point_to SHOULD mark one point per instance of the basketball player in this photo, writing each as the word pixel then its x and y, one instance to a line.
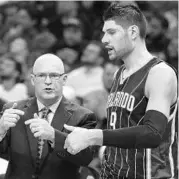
pixel 141 105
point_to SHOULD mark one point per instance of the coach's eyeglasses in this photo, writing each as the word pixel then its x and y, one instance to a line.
pixel 52 76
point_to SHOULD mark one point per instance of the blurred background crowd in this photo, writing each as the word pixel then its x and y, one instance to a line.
pixel 72 31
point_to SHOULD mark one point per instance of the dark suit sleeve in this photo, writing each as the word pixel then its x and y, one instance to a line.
pixel 5 141
pixel 4 145
pixel 84 157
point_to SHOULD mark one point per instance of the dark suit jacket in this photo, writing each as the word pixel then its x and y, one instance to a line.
pixel 21 146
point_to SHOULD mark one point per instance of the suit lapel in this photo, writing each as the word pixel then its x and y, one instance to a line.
pixel 31 108
pixel 61 117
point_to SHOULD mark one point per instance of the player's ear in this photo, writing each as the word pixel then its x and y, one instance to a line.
pixel 133 31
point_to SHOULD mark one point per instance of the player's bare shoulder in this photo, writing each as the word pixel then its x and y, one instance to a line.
pixel 163 69
pixel 162 77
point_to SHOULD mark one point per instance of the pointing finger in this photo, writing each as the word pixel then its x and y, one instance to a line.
pixel 28 122
pixel 70 128
pixel 14 105
pixel 36 116
pixel 31 121
pixel 14 111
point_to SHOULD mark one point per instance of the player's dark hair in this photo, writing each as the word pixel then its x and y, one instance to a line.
pixel 126 15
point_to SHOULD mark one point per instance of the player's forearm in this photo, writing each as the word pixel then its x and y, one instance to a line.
pixel 133 137
pixel 148 135
pixel 82 158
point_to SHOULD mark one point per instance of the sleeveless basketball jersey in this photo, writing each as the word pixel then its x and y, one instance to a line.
pixel 126 107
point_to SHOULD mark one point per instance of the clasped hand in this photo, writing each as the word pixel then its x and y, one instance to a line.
pixel 77 140
pixel 40 128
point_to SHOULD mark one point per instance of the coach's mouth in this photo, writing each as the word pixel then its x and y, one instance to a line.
pixel 48 89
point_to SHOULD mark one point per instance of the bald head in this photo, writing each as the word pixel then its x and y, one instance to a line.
pixel 48 62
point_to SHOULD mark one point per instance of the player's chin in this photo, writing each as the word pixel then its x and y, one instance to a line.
pixel 112 57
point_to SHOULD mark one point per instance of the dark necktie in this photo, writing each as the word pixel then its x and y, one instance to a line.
pixel 45 111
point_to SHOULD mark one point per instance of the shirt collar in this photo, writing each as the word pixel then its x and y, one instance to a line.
pixel 53 107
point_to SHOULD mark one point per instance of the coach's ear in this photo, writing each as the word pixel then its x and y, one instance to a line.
pixel 133 32
pixel 32 79
pixel 64 79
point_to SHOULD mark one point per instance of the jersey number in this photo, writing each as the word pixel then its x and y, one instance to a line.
pixel 113 119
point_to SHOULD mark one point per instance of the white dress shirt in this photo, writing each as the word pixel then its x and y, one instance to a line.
pixel 52 108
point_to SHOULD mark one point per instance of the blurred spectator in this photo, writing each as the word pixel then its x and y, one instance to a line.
pixel 20 25
pixel 94 11
pixel 73 43
pixel 157 40
pixel 18 48
pixel 10 9
pixel 172 53
pixel 96 100
pixel 3 48
pixel 43 41
pixel 88 77
pixel 172 17
pixel 69 9
pixel 1 19
pixel 63 10
pixel 70 58
pixel 11 89
pixel 73 31
pixel 70 94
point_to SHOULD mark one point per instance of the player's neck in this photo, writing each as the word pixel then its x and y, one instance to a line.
pixel 137 58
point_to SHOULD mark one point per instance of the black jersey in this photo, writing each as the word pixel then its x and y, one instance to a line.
pixel 126 107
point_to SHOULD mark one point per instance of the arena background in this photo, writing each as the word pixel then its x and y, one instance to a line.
pixel 67 28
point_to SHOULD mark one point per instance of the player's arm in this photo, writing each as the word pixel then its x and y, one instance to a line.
pixel 84 157
pixel 161 90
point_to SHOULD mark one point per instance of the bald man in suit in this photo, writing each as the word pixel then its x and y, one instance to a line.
pixel 23 130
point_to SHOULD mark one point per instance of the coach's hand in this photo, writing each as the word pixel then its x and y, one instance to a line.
pixel 41 128
pixel 77 140
pixel 10 118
